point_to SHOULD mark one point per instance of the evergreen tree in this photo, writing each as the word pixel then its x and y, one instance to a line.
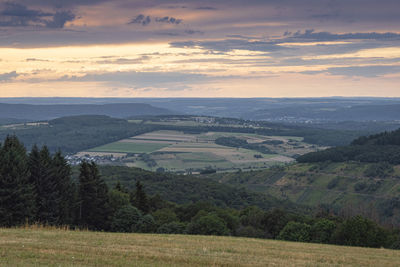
pixel 94 211
pixel 17 198
pixel 47 196
pixel 61 173
pixel 139 198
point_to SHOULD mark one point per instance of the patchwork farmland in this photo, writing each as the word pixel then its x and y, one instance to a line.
pixel 177 151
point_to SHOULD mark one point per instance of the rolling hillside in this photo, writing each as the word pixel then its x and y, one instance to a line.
pixel 344 188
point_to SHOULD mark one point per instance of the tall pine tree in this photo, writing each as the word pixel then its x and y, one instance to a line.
pixel 47 196
pixel 139 198
pixel 65 188
pixel 94 210
pixel 17 195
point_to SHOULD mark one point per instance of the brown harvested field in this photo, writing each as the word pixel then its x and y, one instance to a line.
pixel 46 247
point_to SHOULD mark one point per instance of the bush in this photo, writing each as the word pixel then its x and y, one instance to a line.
pixel 322 230
pixel 172 228
pixel 359 231
pixel 295 231
pixel 209 224
pixel 382 169
pixel 126 219
pixel 118 199
pixel 164 216
pixel 333 183
pixel 360 186
pixel 146 224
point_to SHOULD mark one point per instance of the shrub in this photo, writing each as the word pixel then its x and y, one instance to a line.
pixel 146 224
pixel 209 224
pixel 359 231
pixel 322 230
pixel 172 228
pixel 126 219
pixel 295 231
pixel 164 216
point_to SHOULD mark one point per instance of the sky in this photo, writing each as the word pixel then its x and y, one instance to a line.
pixel 188 48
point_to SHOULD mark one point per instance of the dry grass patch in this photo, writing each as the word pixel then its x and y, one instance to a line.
pixel 52 247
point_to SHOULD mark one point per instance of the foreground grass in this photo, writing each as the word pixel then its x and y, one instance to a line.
pixel 34 247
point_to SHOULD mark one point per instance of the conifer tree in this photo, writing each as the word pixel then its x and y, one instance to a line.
pixel 61 173
pixel 17 198
pixel 94 211
pixel 140 199
pixel 47 197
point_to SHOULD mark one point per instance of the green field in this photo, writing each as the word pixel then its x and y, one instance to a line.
pixel 177 151
pixel 124 147
pixel 39 247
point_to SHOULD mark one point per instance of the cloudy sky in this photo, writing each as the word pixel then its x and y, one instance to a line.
pixel 188 48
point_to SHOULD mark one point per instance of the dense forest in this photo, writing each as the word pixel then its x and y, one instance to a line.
pixel 383 147
pixel 38 187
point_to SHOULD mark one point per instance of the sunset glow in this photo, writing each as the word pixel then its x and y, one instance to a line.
pixel 187 49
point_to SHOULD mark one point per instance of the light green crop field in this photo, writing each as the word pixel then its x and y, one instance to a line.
pixel 179 152
pixel 47 247
pixel 126 147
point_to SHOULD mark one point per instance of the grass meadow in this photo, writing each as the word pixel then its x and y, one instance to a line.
pixel 34 246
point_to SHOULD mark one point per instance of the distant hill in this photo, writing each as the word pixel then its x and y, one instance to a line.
pixel 76 133
pixel 383 147
pixel 48 112
pixel 290 110
pixel 329 112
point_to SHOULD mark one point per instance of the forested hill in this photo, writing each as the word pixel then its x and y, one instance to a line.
pixel 73 134
pixel 385 138
pixel 47 112
pixel 383 147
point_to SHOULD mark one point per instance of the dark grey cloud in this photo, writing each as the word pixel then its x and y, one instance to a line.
pixel 206 8
pixel 8 76
pixel 141 19
pixel 18 15
pixel 15 14
pixel 327 36
pixel 170 20
pixel 146 20
pixel 59 19
pixel 60 3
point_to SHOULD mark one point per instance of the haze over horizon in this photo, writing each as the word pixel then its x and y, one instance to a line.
pixel 186 48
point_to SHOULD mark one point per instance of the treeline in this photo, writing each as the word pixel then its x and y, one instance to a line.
pixel 74 134
pixel 38 188
pixel 241 143
pixel 384 147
